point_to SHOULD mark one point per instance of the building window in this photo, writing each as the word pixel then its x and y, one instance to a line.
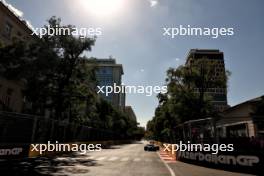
pixel 237 130
pixel 8 30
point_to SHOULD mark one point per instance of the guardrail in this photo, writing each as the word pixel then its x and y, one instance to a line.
pixel 239 160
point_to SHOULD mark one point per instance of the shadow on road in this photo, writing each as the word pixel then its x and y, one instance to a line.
pixel 63 165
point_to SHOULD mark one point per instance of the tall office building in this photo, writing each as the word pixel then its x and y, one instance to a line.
pixel 130 112
pixel 108 73
pixel 216 58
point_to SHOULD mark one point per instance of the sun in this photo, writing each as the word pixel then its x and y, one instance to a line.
pixel 103 8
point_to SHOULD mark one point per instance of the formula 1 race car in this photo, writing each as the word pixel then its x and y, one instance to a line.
pixel 151 147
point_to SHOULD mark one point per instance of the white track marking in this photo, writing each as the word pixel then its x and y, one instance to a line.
pixel 168 167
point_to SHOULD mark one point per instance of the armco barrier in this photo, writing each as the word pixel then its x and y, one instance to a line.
pixel 14 151
pixel 245 161
pixel 105 144
pixel 20 151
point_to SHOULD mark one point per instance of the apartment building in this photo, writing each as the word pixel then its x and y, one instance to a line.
pixel 12 29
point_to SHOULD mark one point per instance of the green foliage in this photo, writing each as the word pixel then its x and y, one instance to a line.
pixel 60 80
pixel 185 100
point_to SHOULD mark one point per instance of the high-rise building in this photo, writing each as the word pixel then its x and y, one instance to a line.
pixel 130 112
pixel 216 59
pixel 108 73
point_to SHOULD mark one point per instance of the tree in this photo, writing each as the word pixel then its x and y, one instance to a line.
pixel 58 78
pixel 53 65
pixel 186 98
pixel 68 50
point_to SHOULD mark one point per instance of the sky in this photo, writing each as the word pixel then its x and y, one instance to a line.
pixel 132 32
